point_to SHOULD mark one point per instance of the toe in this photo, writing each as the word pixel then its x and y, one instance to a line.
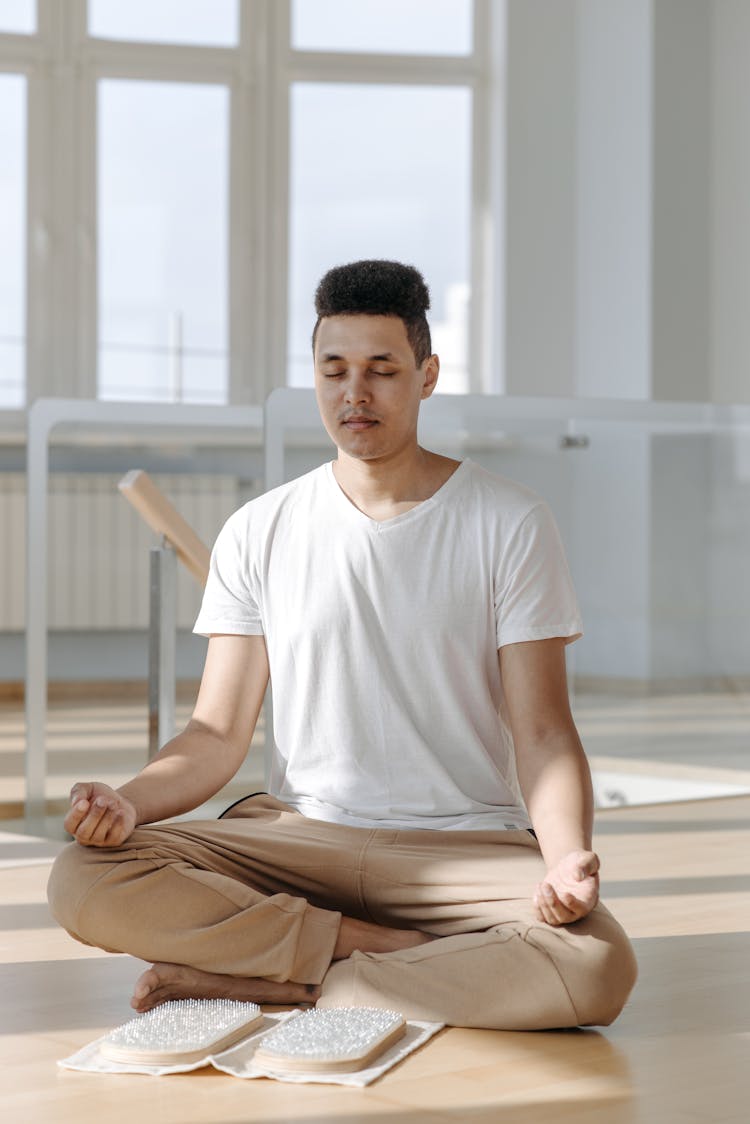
pixel 146 984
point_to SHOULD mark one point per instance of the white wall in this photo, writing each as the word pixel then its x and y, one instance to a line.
pixel 627 270
pixel 540 198
pixel 730 202
pixel 613 157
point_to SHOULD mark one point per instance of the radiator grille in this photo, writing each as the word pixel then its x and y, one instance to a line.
pixel 99 547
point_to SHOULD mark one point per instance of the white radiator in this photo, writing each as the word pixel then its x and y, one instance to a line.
pixel 98 568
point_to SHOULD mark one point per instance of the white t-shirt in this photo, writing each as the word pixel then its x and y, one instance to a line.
pixel 382 640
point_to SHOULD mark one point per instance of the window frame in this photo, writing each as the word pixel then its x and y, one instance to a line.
pixel 62 65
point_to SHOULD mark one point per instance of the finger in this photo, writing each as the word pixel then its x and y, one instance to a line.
pixel 81 790
pixel 537 904
pixel 589 867
pixel 550 915
pixel 555 910
pixel 91 821
pixel 582 900
pixel 109 810
pixel 571 902
pixel 547 900
pixel 550 906
pixel 104 828
pixel 75 816
pixel 117 833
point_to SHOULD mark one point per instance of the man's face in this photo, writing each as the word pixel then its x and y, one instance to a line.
pixel 368 384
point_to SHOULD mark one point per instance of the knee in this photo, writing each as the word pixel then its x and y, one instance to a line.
pixel 610 971
pixel 73 873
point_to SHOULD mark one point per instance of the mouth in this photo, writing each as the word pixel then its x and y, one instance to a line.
pixel 358 422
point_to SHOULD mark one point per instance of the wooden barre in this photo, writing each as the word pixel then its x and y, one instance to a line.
pixel 139 490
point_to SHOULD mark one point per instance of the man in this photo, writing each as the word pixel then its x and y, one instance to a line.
pixel 413 611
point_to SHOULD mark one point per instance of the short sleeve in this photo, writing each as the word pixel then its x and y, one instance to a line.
pixel 534 594
pixel 231 600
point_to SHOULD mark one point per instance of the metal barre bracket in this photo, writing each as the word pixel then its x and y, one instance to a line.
pixel 162 626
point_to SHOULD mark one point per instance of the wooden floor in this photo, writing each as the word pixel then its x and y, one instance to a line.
pixel 676 875
pixel 659 736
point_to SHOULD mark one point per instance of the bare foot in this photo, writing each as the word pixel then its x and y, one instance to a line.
pixel 177 981
pixel 365 936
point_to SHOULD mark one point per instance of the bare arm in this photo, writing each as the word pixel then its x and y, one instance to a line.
pixel 554 776
pixel 195 764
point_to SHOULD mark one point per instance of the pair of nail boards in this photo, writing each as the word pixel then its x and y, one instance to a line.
pixel 181 1031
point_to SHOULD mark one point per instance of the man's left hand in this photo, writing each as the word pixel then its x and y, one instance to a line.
pixel 570 890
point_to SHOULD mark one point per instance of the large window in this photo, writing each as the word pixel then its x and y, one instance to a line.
pixel 176 176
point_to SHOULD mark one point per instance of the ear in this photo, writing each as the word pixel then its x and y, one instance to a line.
pixel 430 372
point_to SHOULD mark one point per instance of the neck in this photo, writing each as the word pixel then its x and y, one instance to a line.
pixel 385 487
pixel 393 479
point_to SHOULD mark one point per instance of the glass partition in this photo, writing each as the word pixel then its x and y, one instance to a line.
pixel 657 527
pixel 653 504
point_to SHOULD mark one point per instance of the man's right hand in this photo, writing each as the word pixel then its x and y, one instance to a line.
pixel 99 816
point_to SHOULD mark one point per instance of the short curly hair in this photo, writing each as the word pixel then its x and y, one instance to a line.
pixel 378 288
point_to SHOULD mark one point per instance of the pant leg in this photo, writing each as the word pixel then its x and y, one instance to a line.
pixel 235 896
pixel 495 964
pixel 262 895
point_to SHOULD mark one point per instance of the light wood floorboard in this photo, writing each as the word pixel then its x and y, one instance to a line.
pixel 677 876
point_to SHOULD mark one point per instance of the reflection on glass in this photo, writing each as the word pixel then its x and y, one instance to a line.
pixel 163 193
pixel 201 22
pixel 18 16
pixel 417 27
pixel 381 172
pixel 12 240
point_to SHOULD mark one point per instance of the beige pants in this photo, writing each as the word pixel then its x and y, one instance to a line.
pixel 261 892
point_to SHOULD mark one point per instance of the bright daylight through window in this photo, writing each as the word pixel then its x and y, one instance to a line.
pixel 213 24
pixel 163 161
pixel 417 27
pixel 376 172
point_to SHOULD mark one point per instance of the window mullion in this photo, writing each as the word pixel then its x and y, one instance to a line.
pixel 421 70
pixel 86 248
pixel 39 240
pixel 17 52
pixel 57 363
pixel 484 148
pixel 278 193
pixel 246 266
pixel 269 281
pixel 152 60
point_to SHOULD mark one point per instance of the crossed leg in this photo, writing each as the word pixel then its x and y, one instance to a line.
pixel 163 981
pixel 273 907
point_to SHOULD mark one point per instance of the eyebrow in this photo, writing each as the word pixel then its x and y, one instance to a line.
pixel 386 357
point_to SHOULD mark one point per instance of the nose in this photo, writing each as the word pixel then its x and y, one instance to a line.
pixel 356 388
